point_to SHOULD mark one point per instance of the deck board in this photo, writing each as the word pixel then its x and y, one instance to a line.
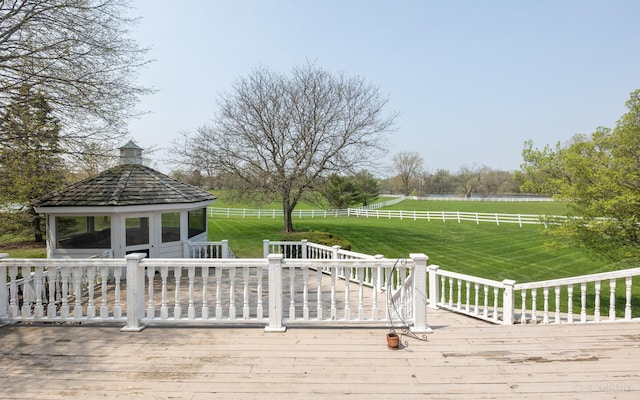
pixel 464 358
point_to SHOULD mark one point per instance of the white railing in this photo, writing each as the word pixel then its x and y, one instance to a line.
pixel 275 291
pixel 544 302
pixel 219 249
pixel 568 300
pixel 442 216
pixel 470 295
pixel 307 250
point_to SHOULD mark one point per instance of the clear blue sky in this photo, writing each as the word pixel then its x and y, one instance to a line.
pixel 472 80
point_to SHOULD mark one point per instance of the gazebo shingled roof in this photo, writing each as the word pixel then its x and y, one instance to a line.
pixel 125 185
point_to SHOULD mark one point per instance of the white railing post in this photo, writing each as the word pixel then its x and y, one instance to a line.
pixel 135 293
pixel 265 248
pixel 303 245
pixel 420 293
pixel 433 286
pixel 508 302
pixel 336 249
pixel 225 248
pixel 275 294
pixel 380 274
pixel 4 294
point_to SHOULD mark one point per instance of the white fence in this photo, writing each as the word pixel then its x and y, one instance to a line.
pixel 442 216
pixel 274 292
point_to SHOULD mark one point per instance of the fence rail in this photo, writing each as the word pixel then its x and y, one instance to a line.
pixel 442 216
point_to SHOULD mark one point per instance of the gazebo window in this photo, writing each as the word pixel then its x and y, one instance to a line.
pixel 197 222
pixel 170 227
pixel 137 231
pixel 93 232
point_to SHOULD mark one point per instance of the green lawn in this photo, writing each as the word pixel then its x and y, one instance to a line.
pixel 485 250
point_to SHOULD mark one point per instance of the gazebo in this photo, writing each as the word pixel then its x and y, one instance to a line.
pixel 128 208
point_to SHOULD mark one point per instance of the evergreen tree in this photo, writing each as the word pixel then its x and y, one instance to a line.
pixel 30 161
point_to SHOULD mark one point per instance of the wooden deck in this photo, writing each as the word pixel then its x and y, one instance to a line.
pixel 463 359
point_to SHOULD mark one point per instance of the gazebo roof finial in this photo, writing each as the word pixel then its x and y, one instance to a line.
pixel 131 153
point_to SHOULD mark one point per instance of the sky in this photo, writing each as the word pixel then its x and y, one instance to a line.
pixel 471 80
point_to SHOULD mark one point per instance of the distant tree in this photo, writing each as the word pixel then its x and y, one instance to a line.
pixel 287 134
pixel 30 162
pixel 599 178
pixel 368 187
pixel 470 178
pixel 442 182
pixel 340 192
pixel 77 54
pixel 407 165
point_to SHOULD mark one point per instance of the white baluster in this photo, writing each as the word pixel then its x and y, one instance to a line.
pixel 52 284
pixel 204 273
pixel 164 308
pixel 218 293
pixel 360 272
pixel 570 304
pixel 596 311
pixel 260 306
pixel 534 306
pixel 442 291
pixel 334 275
pixel 177 308
pixel 245 299
pixel 191 309
pixel 91 280
pixel 375 285
pixel 26 298
pixel 305 293
pixel 523 316
pixel 117 307
pixel 64 308
pixel 459 295
pixel 38 311
pixel 612 300
pixel 13 292
pixel 468 294
pixel 485 311
pixel 292 293
pixel 150 306
pixel 627 306
pixel 557 293
pixel 77 282
pixel 104 286
pixel 476 288
pixel 583 302
pixel 450 292
pixel 347 309
pixel 495 303
pixel 319 294
pixel 545 295
pixel 232 292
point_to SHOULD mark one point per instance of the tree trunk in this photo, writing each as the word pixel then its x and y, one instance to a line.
pixel 288 222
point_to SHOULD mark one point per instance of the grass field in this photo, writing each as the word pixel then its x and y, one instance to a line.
pixel 486 250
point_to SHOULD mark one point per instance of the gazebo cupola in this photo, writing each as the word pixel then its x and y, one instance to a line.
pixel 128 208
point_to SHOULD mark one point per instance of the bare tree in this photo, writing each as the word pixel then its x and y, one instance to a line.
pixel 471 178
pixel 77 54
pixel 286 134
pixel 408 165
